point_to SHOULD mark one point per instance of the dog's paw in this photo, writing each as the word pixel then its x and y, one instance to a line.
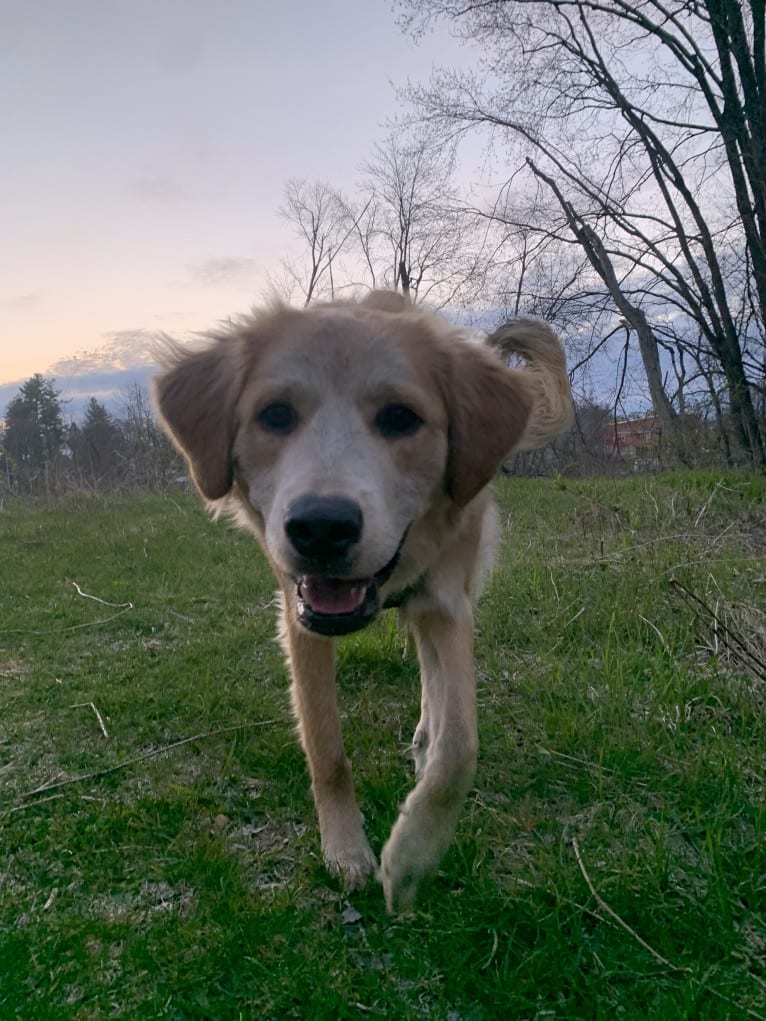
pixel 411 853
pixel 400 887
pixel 352 863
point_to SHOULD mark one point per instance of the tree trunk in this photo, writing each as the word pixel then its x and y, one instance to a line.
pixel 634 317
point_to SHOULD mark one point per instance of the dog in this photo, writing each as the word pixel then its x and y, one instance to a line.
pixel 356 441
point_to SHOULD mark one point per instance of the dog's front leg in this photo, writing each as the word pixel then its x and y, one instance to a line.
pixel 312 663
pixel 446 749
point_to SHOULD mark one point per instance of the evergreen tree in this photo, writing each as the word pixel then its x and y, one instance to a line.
pixel 96 444
pixel 34 428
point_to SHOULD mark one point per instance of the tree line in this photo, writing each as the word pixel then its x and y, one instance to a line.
pixel 41 453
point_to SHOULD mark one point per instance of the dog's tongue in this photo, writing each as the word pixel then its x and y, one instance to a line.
pixel 332 595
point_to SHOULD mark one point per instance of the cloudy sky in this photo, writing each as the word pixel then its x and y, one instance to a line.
pixel 146 144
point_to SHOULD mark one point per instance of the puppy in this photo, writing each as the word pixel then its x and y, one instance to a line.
pixel 357 441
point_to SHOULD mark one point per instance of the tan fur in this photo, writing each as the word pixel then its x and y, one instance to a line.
pixel 429 524
pixel 536 342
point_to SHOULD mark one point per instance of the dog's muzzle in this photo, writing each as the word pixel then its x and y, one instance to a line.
pixel 339 606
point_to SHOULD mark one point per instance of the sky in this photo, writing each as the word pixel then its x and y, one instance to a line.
pixel 146 146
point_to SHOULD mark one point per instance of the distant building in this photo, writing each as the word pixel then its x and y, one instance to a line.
pixel 634 437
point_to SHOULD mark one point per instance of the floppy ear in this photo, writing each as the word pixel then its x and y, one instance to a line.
pixel 195 398
pixel 488 406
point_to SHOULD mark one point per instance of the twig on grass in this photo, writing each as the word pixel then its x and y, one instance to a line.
pixel 571 620
pixel 579 613
pixel 656 631
pixel 122 607
pixel 615 917
pixel 733 1003
pixel 91 623
pixel 637 546
pixel 153 753
pixel 21 808
pixel 707 503
pixel 98 599
pixel 573 761
pixel 84 705
pixel 738 647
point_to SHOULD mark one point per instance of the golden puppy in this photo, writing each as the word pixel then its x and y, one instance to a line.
pixel 357 441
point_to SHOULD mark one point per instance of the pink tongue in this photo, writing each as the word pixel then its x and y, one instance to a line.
pixel 331 595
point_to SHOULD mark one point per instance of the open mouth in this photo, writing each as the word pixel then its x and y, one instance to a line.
pixel 334 606
pixel 339 606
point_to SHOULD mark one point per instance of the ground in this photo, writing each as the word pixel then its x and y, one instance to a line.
pixel 609 862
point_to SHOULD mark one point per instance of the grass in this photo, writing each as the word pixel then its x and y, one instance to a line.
pixel 610 862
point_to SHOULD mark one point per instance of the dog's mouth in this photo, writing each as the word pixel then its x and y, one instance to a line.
pixel 334 606
pixel 339 606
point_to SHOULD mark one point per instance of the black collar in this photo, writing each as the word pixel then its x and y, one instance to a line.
pixel 398 599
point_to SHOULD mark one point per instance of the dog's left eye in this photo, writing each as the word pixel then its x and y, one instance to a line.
pixel 397 420
pixel 278 417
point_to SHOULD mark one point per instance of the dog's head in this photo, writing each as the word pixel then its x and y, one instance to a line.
pixel 338 427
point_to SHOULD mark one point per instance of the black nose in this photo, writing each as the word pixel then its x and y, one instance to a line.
pixel 323 527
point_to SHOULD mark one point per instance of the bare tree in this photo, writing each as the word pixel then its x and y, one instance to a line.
pixel 324 225
pixel 418 238
pixel 150 461
pixel 650 121
pixel 404 230
pixel 633 315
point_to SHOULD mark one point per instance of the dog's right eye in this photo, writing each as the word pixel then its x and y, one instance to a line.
pixel 278 417
pixel 397 420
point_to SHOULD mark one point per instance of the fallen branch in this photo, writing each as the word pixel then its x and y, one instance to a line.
pixel 738 647
pixel 615 917
pixel 97 599
pixel 84 705
pixel 707 503
pixel 99 773
pixel 21 808
pixel 122 607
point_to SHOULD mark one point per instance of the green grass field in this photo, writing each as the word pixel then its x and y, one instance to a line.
pixel 158 853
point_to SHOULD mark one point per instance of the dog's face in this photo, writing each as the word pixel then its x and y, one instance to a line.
pixel 342 445
pixel 340 427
